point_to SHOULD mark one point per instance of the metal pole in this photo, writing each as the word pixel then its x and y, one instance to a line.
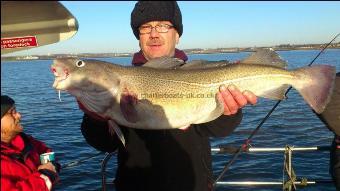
pixel 259 183
pixel 274 149
pixel 243 183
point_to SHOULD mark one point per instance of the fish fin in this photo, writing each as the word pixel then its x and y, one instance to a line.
pixel 315 85
pixel 96 103
pixel 114 128
pixel 278 93
pixel 265 57
pixel 127 104
pixel 164 63
pixel 90 113
pixel 201 64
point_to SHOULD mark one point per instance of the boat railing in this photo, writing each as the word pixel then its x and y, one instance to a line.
pixel 288 184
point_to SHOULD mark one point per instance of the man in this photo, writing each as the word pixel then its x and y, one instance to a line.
pixel 20 163
pixel 171 159
pixel 331 117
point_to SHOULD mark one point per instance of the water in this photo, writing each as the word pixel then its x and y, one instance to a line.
pixel 58 125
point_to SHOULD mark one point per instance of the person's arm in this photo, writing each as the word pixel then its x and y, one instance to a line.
pixel 97 134
pixel 49 170
pixel 35 181
pixel 41 148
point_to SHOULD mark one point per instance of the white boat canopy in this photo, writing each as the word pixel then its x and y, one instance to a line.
pixel 29 24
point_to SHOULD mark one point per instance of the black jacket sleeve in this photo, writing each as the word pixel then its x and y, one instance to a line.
pixel 96 134
pixel 220 127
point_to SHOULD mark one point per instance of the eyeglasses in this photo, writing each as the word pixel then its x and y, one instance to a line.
pixel 161 28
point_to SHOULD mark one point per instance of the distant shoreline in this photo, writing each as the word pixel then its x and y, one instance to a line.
pixel 187 51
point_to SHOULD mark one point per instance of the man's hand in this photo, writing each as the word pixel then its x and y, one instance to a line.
pixel 233 99
pixel 49 170
pixel 48 166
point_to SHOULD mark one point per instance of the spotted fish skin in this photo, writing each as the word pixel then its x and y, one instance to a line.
pixel 164 98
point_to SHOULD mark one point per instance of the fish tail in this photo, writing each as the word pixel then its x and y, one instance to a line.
pixel 315 84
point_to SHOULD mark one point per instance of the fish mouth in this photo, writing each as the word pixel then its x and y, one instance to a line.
pixel 59 80
pixel 60 77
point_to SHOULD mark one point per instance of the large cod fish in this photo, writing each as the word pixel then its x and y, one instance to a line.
pixel 170 96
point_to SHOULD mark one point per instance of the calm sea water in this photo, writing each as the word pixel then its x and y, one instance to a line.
pixel 293 123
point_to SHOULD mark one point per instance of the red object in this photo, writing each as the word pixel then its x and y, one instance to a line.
pixel 19 42
pixel 19 164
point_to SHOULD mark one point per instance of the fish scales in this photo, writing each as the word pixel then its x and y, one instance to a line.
pixel 197 81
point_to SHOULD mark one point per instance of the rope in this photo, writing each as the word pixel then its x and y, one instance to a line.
pixel 104 162
pixel 247 141
pixel 287 186
pixel 77 162
pixel 304 182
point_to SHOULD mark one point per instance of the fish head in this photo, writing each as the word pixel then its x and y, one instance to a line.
pixel 84 75
pixel 94 83
pixel 68 72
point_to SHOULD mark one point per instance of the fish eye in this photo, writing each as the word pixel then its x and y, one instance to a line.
pixel 80 63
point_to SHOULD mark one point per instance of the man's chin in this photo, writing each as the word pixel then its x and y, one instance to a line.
pixel 156 53
pixel 20 128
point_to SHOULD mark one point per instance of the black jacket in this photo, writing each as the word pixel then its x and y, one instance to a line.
pixel 172 160
pixel 162 160
pixel 331 117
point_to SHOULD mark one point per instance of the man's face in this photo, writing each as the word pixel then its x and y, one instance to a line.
pixel 10 124
pixel 155 44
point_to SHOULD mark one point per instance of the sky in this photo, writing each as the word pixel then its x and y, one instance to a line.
pixel 104 26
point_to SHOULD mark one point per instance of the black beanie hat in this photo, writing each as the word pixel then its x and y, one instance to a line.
pixel 6 104
pixel 146 11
